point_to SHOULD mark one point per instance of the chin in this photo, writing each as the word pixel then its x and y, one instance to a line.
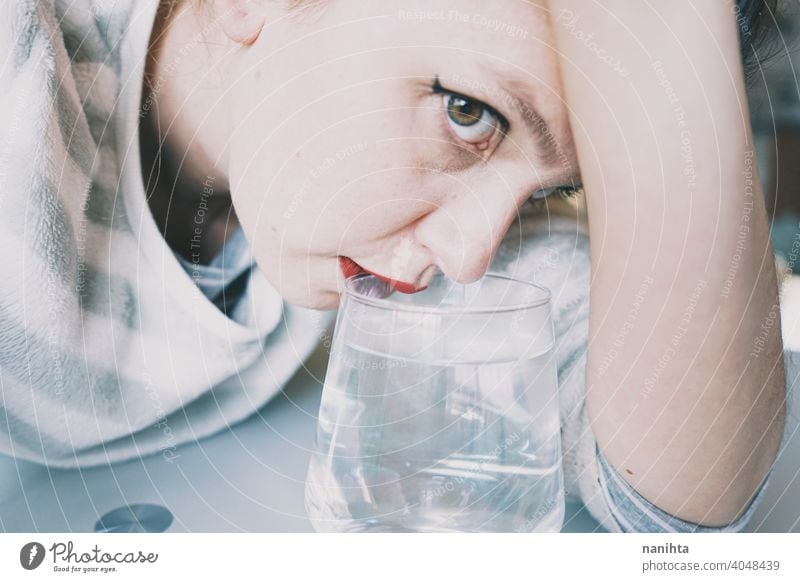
pixel 325 301
pixel 321 301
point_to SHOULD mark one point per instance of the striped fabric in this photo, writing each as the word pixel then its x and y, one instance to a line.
pixel 108 348
pixel 224 279
pixel 634 513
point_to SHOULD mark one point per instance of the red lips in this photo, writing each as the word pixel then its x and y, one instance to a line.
pixel 349 268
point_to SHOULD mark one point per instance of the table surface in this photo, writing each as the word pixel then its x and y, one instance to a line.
pixel 250 478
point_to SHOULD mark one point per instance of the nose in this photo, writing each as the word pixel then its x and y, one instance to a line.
pixel 464 233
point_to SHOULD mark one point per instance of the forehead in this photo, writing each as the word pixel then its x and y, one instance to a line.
pixel 503 47
pixel 514 31
pixel 499 51
pixel 508 38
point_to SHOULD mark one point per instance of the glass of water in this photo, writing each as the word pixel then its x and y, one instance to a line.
pixel 439 411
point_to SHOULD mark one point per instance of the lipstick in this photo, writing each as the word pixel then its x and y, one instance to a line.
pixel 350 268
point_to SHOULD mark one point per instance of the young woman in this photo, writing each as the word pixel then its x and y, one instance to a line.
pixel 155 151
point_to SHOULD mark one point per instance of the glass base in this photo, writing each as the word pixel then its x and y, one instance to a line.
pixel 549 523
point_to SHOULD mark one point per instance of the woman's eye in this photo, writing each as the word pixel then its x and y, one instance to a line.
pixel 470 120
pixel 564 191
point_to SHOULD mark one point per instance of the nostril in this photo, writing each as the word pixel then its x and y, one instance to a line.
pixel 427 275
pixel 461 248
pixel 467 262
pixel 466 280
pixel 468 269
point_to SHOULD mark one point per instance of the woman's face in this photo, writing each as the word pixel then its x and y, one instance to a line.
pixel 399 136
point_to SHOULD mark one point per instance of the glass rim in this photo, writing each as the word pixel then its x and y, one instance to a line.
pixel 450 310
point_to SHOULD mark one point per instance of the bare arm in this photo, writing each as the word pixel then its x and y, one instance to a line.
pixel 685 373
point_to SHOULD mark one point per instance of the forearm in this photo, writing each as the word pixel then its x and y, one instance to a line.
pixel 685 378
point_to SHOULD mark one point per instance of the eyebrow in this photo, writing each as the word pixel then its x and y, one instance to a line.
pixel 548 147
pixel 549 151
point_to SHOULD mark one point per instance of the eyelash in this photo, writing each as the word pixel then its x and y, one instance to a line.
pixel 560 192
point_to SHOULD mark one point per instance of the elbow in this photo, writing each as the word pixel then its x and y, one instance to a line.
pixel 729 490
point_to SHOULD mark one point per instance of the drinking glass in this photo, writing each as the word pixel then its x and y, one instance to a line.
pixel 439 411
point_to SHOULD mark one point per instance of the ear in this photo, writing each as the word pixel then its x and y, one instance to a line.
pixel 241 20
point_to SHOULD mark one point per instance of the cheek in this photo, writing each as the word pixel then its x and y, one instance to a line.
pixel 358 205
pixel 335 165
pixel 339 193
